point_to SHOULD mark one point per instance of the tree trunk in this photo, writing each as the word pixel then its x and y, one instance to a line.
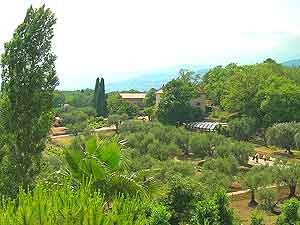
pixel 292 187
pixel 252 202
pixel 288 149
pixel 117 127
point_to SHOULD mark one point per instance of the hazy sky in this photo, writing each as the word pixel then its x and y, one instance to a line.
pixel 115 38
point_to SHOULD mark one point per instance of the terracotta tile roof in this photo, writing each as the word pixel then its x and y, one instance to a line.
pixel 133 95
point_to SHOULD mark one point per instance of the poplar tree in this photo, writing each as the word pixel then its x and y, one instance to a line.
pixel 28 82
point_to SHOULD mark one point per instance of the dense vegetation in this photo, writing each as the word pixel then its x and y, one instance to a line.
pixel 145 171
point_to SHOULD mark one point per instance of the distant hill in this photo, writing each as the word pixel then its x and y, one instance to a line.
pixel 292 63
pixel 143 81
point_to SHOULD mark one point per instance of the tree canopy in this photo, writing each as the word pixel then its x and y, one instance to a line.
pixel 267 91
pixel 28 81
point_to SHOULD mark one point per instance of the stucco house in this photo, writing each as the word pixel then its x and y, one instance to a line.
pixel 135 98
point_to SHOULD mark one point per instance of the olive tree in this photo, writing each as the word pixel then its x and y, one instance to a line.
pixel 288 174
pixel 257 177
pixel 283 135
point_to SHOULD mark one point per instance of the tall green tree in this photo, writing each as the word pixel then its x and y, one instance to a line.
pixel 175 104
pixel 28 81
pixel 150 98
pixel 102 98
pixel 95 91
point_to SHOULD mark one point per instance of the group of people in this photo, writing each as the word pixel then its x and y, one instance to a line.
pixel 256 157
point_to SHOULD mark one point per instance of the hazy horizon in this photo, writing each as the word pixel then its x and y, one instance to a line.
pixel 119 39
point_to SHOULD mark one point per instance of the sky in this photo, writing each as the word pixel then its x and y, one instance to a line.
pixel 117 38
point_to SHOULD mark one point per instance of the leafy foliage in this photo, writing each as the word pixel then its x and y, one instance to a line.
pixel 283 135
pixel 214 211
pixel 290 213
pixel 150 98
pixel 117 105
pixel 265 91
pixel 28 81
pixel 68 206
pixel 175 104
pixel 242 128
pixel 101 162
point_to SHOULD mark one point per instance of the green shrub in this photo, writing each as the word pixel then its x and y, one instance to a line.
pixel 257 218
pixel 160 215
pixel 242 128
pixel 213 211
pixel 290 213
pixel 267 198
pixel 64 205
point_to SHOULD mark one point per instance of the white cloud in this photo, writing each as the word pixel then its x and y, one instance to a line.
pixel 116 36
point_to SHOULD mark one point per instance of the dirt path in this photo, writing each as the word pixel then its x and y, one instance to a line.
pixel 103 129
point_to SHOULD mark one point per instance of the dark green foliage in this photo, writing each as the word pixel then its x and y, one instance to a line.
pixel 150 98
pixel 28 81
pixel 160 215
pixel 100 98
pixel 265 91
pixel 290 213
pixel 182 195
pixel 79 98
pixel 214 211
pixel 242 128
pixel 175 104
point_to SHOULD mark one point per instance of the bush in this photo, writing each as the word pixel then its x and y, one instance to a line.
pixel 241 151
pixel 160 215
pixel 257 218
pixel 182 195
pixel 200 145
pixel 267 198
pixel 228 166
pixel 213 211
pixel 171 168
pixel 290 213
pixel 64 205
pixel 242 128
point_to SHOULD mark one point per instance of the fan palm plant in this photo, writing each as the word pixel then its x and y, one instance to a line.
pixel 101 161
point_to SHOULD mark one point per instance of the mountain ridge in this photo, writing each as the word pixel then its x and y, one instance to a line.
pixel 145 80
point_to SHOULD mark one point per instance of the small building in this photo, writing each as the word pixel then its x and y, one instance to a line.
pixel 135 98
pixel 206 126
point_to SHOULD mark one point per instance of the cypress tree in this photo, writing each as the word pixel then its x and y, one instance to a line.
pixel 95 92
pixel 102 98
pixel 97 97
